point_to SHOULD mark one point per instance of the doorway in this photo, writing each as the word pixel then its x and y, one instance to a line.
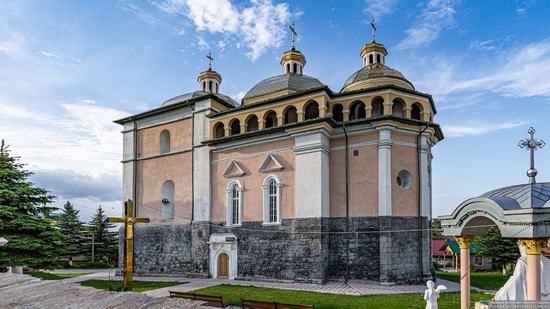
pixel 223 266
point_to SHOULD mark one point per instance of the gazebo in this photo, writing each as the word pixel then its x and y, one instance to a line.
pixel 520 211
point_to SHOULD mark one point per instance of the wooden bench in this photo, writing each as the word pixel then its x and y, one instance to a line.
pixel 211 300
pixel 255 304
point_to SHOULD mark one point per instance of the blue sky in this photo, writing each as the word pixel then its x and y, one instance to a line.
pixel 68 68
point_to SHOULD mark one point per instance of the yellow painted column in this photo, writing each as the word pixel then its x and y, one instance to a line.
pixel 280 120
pixel 261 124
pixel 345 114
pixel 322 111
pixel 425 116
pixel 387 108
pixel 227 130
pixel 368 111
pixel 243 127
pixel 300 115
pixel 407 112
pixel 533 248
pixel 464 242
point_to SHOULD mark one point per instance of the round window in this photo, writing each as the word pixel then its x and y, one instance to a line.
pixel 404 179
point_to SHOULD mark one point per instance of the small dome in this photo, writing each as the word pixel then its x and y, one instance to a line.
pixel 285 82
pixel 378 74
pixel 198 94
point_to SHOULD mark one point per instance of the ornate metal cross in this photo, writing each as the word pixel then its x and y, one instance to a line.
pixel 129 220
pixel 532 144
pixel 373 28
pixel 293 31
pixel 209 56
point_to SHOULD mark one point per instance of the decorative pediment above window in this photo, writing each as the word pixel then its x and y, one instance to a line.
pixel 271 164
pixel 233 170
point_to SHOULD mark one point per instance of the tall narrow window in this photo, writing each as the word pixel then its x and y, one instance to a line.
pixel 272 200
pixel 164 141
pixel 415 111
pixel 234 203
pixel 294 68
pixel 288 68
pixel 378 58
pixel 371 59
pixel 210 86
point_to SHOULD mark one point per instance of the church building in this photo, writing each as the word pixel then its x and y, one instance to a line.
pixel 296 182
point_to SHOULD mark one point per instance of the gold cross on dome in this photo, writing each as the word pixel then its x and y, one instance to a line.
pixel 129 220
pixel 293 33
pixel 209 56
pixel 373 28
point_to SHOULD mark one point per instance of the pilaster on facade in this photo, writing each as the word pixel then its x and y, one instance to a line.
pixel 425 190
pixel 201 167
pixel 129 165
pixel 384 171
pixel 311 152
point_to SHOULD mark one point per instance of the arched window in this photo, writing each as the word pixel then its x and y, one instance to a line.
pixel 300 68
pixel 204 86
pixel 294 68
pixel 415 111
pixel 219 130
pixel 234 203
pixel 377 107
pixel 288 68
pixel 167 193
pixel 164 141
pixel 291 115
pixel 397 108
pixel 215 87
pixel 371 59
pixel 312 110
pixel 252 124
pixel 337 112
pixel 272 200
pixel 271 120
pixel 357 111
pixel 378 58
pixel 236 127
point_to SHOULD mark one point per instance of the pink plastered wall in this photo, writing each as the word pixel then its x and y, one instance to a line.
pixel 404 200
pixel 181 134
pixel 363 177
pixel 250 159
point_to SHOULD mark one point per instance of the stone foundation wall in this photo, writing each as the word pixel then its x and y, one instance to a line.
pixel 307 250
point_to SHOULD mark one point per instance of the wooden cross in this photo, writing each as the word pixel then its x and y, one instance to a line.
pixel 293 31
pixel 373 28
pixel 531 144
pixel 129 220
pixel 209 56
pixel 93 243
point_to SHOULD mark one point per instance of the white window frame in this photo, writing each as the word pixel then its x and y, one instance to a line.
pixel 229 190
pixel 480 259
pixel 265 188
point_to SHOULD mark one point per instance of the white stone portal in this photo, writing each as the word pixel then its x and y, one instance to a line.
pixel 223 243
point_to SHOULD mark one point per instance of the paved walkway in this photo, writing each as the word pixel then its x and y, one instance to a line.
pixel 22 291
pixel 353 287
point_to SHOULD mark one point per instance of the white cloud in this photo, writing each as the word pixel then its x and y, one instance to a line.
pixel 436 16
pixel 50 55
pixel 258 26
pixel 140 13
pixel 379 8
pixel 203 45
pixel 478 128
pixel 238 96
pixel 9 48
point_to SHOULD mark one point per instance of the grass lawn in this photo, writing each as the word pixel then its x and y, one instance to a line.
pixel 51 276
pixel 137 286
pixel 332 301
pixel 482 280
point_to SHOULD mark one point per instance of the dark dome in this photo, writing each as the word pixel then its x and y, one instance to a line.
pixel 373 72
pixel 198 94
pixel 292 82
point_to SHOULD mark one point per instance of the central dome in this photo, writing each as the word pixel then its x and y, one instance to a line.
pixel 282 85
pixel 376 75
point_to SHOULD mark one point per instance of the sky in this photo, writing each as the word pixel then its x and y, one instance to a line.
pixel 69 68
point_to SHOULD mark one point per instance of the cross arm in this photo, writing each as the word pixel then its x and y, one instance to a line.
pixel 142 220
pixel 116 220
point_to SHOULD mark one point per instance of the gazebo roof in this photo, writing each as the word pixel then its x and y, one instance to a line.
pixel 533 195
pixel 518 211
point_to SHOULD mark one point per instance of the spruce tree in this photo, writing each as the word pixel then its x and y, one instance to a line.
pixel 502 251
pixel 33 241
pixel 102 231
pixel 71 226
